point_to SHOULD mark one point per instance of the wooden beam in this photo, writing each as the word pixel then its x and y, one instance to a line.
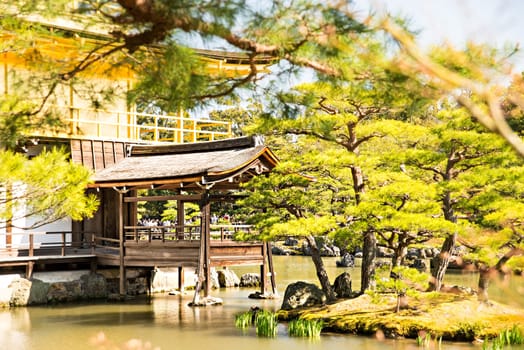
pixel 181 197
pixel 271 269
pixel 240 142
pixel 122 286
pixel 181 281
pixel 145 183
pixel 206 233
pixel 263 272
pixel 180 219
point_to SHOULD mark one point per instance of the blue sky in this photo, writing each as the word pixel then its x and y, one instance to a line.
pixel 495 22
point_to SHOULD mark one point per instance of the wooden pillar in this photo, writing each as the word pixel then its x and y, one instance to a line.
pixel 204 269
pixel 122 287
pixel 263 271
pixel 8 223
pixel 180 218
pixel 205 235
pixel 271 269
pixel 181 281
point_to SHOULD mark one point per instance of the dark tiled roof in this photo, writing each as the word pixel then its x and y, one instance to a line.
pixel 211 161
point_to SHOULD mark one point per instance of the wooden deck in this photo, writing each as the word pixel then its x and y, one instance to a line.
pixel 144 247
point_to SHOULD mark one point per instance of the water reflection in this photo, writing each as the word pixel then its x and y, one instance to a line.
pixel 167 322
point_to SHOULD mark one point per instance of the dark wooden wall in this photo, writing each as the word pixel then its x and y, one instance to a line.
pixel 97 154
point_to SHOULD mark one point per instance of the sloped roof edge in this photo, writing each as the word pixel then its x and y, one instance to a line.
pixel 240 142
pixel 205 161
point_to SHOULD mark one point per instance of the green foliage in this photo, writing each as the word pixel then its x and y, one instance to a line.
pixel 181 75
pixel 191 211
pixel 400 280
pixel 46 188
pixel 305 328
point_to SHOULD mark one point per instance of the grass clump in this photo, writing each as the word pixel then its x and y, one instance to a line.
pixel 508 337
pixel 424 340
pixel 266 323
pixel 305 328
pixel 244 320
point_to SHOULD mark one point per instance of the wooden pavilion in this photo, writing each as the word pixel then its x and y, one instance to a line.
pixel 200 172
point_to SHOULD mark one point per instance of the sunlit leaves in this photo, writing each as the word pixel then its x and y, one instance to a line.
pixel 46 188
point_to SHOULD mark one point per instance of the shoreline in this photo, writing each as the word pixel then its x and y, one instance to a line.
pixel 452 317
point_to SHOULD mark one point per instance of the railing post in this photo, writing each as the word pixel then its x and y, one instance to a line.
pixel 63 243
pixel 93 243
pixel 31 245
pixel 181 140
pixel 156 137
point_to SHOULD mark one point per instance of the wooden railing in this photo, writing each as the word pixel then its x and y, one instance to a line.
pixel 181 232
pixel 138 127
pixel 32 248
pixel 65 245
pixel 162 233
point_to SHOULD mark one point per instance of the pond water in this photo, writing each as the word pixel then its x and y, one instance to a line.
pixel 167 322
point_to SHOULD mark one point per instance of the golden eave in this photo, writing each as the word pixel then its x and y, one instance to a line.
pixel 70 51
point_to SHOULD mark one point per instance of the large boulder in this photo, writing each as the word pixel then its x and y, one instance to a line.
pixel 28 292
pixel 342 286
pixel 94 285
pixel 64 291
pixel 250 280
pixel 302 294
pixel 228 278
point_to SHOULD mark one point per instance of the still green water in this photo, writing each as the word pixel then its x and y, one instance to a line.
pixel 166 322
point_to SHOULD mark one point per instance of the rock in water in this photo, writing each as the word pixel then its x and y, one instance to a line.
pixel 347 260
pixel 300 294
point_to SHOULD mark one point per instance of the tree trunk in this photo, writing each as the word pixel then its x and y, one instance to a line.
pixel 358 182
pixel 321 270
pixel 399 254
pixel 369 252
pixel 484 278
pixel 369 246
pixel 442 262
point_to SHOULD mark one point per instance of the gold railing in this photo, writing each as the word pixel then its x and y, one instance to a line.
pixel 137 127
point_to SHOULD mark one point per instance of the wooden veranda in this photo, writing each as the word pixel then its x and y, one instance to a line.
pixel 200 173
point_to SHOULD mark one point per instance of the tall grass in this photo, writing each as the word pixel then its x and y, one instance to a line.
pixel 266 324
pixel 424 340
pixel 305 328
pixel 507 337
pixel 244 320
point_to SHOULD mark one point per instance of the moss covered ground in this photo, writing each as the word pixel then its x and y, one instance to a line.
pixel 455 317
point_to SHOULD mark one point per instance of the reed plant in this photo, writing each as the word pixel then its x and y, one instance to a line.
pixel 508 337
pixel 305 328
pixel 244 320
pixel 424 340
pixel 266 323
